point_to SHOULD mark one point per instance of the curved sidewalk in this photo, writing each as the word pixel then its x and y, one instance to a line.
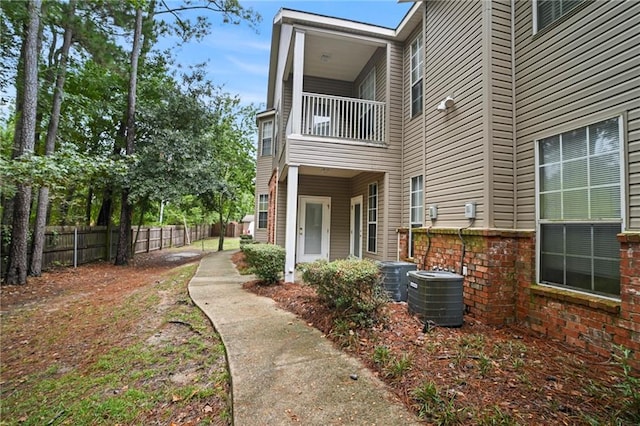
pixel 284 372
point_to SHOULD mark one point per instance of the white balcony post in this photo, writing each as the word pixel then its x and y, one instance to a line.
pixel 298 71
pixel 291 234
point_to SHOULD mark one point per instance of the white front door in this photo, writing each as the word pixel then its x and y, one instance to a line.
pixel 314 220
pixel 355 236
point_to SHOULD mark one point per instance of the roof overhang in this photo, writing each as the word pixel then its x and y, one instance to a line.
pixel 328 24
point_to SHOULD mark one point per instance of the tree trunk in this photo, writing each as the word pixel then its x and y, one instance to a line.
pixel 43 196
pixel 123 252
pixel 17 268
pixel 7 202
pixel 223 226
pixel 87 208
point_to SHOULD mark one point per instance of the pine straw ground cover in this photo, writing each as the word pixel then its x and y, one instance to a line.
pixel 475 374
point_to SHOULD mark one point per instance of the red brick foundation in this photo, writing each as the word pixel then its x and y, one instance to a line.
pixel 500 287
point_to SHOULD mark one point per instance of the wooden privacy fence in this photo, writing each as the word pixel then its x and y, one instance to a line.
pixel 71 245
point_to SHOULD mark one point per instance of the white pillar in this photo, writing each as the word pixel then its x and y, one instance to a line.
pixel 291 234
pixel 298 72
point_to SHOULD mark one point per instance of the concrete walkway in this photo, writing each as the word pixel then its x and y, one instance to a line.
pixel 284 372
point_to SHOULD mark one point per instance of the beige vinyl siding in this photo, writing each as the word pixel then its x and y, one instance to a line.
pixel 281 216
pixel 338 190
pixel 327 86
pixel 326 153
pixel 264 168
pixel 455 140
pixel 286 111
pixel 633 125
pixel 394 205
pixel 501 116
pixel 263 174
pixel 580 71
pixel 413 132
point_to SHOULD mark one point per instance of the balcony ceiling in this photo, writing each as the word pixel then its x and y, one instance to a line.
pixel 336 58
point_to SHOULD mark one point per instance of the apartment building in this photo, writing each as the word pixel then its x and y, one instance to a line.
pixel 497 139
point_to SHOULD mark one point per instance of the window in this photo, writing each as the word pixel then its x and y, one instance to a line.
pixel 548 11
pixel 267 137
pixel 580 208
pixel 263 210
pixel 417 70
pixel 372 218
pixel 367 89
pixel 366 112
pixel 416 207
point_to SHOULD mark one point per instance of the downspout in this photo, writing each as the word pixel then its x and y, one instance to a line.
pixel 426 252
pixel 464 247
pixel 513 114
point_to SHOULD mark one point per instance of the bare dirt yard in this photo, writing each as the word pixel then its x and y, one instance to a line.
pixel 109 345
pixel 475 374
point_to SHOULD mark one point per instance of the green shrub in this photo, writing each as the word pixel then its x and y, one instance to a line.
pixel 266 260
pixel 352 287
pixel 247 239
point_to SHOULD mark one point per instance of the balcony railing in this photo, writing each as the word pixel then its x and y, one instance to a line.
pixel 343 118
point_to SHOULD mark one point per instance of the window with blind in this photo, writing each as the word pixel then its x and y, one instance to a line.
pixel 548 11
pixel 416 207
pixel 267 138
pixel 417 72
pixel 580 209
pixel 263 211
pixel 372 218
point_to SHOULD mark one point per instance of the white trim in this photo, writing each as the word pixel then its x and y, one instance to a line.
pixel 298 76
pixel 377 208
pixel 539 221
pixel 262 211
pixel 411 223
pixel 325 242
pixel 534 17
pixel 290 224
pixel 352 221
pixel 262 137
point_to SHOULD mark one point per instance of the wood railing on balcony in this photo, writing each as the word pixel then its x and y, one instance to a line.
pixel 343 118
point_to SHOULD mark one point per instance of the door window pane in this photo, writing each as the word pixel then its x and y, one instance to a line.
pixel 313 228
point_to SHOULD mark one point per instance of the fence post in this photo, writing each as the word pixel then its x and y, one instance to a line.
pixel 161 228
pixel 75 247
pixel 148 239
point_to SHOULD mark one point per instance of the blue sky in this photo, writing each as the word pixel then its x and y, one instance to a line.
pixel 238 57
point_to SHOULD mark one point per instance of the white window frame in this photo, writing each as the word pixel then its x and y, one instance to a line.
pixel 264 138
pixel 372 217
pixel 540 222
pixel 263 208
pixel 417 68
pixel 412 208
pixel 536 19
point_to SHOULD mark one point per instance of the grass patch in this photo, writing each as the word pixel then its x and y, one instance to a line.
pixel 164 361
pixel 211 244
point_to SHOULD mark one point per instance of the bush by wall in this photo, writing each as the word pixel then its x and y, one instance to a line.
pixel 352 287
pixel 266 260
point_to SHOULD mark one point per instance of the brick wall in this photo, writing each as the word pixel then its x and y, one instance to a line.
pixel 500 287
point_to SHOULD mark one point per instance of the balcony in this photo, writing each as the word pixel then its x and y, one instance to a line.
pixel 341 118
